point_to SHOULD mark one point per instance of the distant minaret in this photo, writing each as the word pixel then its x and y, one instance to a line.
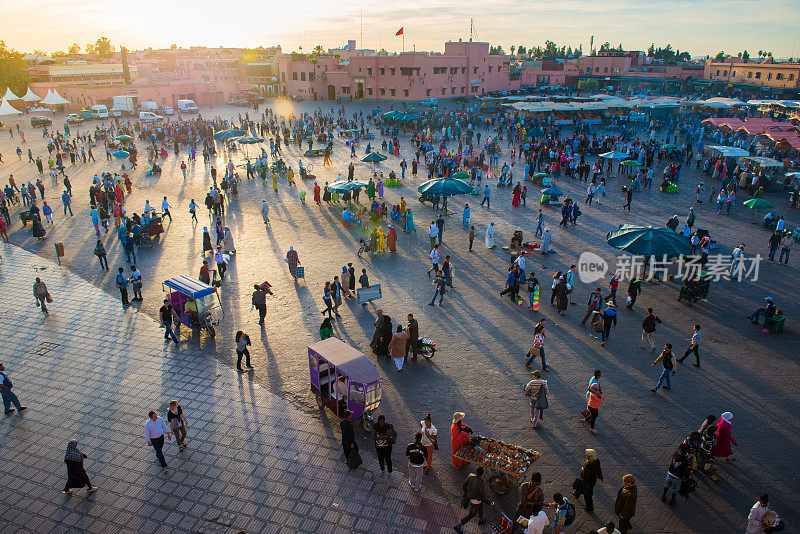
pixel 126 73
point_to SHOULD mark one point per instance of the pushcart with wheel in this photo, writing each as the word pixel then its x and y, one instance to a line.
pixel 504 464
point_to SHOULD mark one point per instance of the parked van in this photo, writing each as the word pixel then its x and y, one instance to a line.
pixel 146 116
pixel 148 106
pixel 100 111
pixel 187 106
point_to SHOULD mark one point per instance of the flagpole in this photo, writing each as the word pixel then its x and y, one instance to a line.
pixel 404 41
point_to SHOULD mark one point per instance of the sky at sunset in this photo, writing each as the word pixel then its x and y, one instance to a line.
pixel 698 26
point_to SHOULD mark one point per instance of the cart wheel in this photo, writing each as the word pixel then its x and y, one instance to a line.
pixel 211 331
pixel 498 484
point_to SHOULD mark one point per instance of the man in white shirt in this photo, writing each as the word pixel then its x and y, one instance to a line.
pixel 537 523
pixel 434 256
pixel 154 430
pixel 521 262
pixel 433 233
pixel 165 208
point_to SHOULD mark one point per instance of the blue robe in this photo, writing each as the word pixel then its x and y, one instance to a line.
pixel 410 222
pixel 465 217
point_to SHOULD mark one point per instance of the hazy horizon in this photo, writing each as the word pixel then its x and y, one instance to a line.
pixel 699 27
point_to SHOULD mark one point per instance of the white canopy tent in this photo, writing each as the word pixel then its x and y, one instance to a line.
pixel 10 95
pixel 7 109
pixel 54 99
pixel 30 96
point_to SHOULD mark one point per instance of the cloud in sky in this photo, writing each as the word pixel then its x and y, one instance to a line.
pixel 698 26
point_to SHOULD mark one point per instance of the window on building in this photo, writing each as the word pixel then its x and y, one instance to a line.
pixel 391 92
pixel 769 76
pixel 474 70
pixel 791 76
pixel 758 75
pixel 311 76
pixel 733 74
pixel 369 92
pixel 724 72
pixel 750 74
pixel 490 68
pixel 474 88
pixel 597 69
pixel 405 93
pixel 717 72
pixel 302 76
pixel 779 76
pixel 605 70
pixel 428 92
pixel 383 92
pixel 405 71
pixel 294 75
pixel 462 90
pixel 452 90
pixel 444 91
pixel 382 71
pixel 454 70
pixel 369 72
pixel 345 90
pixel 391 72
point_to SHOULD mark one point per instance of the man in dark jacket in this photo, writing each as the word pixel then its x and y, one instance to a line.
pixel 260 302
pixel 348 435
pixel 417 456
pixel 634 289
pixel 609 319
pixel 593 304
pixel 648 328
pixel 413 335
pixel 625 505
pixel 475 494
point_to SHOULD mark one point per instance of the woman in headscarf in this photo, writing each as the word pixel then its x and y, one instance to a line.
pixel 489 239
pixel 381 239
pixel 316 192
pixel 220 229
pixel 346 283
pixel 380 188
pixel 206 241
pixel 465 216
pixel 391 239
pixel 546 237
pixel 459 436
pixel 373 241
pixel 516 194
pixel 38 229
pixel 409 223
pixel 590 474
pixel 371 189
pixel 561 295
pixel 326 193
pixel 376 335
pixel 265 211
pixel 76 474
pixel 293 260
pixel 386 336
pixel 722 444
pixel 228 241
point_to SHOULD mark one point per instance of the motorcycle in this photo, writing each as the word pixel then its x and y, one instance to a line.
pixel 426 347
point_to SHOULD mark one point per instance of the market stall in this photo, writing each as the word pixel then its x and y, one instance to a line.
pixel 505 464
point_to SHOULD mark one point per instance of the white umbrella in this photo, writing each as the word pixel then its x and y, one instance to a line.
pixel 8 109
pixel 30 96
pixel 10 95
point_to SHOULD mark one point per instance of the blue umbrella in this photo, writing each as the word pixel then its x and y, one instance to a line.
pixel 343 186
pixel 228 134
pixel 649 241
pixel 249 140
pixel 444 187
pixel 374 157
pixel 121 154
pixel 614 154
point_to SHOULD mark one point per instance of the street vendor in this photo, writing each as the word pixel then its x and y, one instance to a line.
pixel 459 434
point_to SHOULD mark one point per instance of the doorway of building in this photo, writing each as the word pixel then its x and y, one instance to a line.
pixel 331 92
pixel 360 91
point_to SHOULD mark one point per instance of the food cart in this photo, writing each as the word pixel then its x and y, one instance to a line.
pixel 505 464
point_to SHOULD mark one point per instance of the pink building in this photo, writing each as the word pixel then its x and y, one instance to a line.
pixel 464 69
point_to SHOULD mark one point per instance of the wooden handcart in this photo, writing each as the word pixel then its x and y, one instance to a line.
pixel 504 464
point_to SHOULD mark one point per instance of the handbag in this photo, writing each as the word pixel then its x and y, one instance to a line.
pixel 48 298
pixel 578 485
pixel 354 460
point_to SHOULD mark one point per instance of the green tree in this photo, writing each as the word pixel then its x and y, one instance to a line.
pixel 522 50
pixel 605 47
pixel 89 48
pixel 512 49
pixel 318 50
pixel 745 55
pixel 74 49
pixel 103 47
pixel 173 46
pixel 12 70
pixel 720 56
pixel 589 84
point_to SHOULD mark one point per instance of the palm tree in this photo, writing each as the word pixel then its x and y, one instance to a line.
pixel 512 49
pixel 318 49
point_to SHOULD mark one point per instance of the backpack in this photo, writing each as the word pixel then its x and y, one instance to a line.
pixel 569 516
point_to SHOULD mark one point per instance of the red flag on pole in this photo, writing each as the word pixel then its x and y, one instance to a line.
pixel 400 31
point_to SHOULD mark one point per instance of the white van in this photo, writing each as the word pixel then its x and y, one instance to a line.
pixel 146 116
pixel 148 106
pixel 187 106
pixel 99 111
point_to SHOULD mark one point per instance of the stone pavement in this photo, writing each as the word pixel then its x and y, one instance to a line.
pixel 481 338
pixel 253 463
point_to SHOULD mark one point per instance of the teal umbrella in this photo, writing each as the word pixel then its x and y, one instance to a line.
pixel 669 146
pixel 376 110
pixel 229 134
pixel 249 140
pixel 444 187
pixel 123 137
pixel 614 154
pixel 374 157
pixel 343 186
pixel 121 154
pixel 552 191
pixel 649 241
pixel 461 176
pixel 391 114
pixel 630 163
pixel 757 204
pixel 407 117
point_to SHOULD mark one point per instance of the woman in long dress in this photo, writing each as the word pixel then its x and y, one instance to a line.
pixel 515 198
pixel 76 474
pixel 459 436
pixel 316 192
pixel 206 241
pixel 410 223
pixel 381 239
pixel 546 241
pixel 465 216
pixel 228 241
pixel 722 444
pixel 490 235
pixel 391 239
pixel 292 259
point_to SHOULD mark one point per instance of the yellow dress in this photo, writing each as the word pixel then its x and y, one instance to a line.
pixel 275 181
pixel 381 239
